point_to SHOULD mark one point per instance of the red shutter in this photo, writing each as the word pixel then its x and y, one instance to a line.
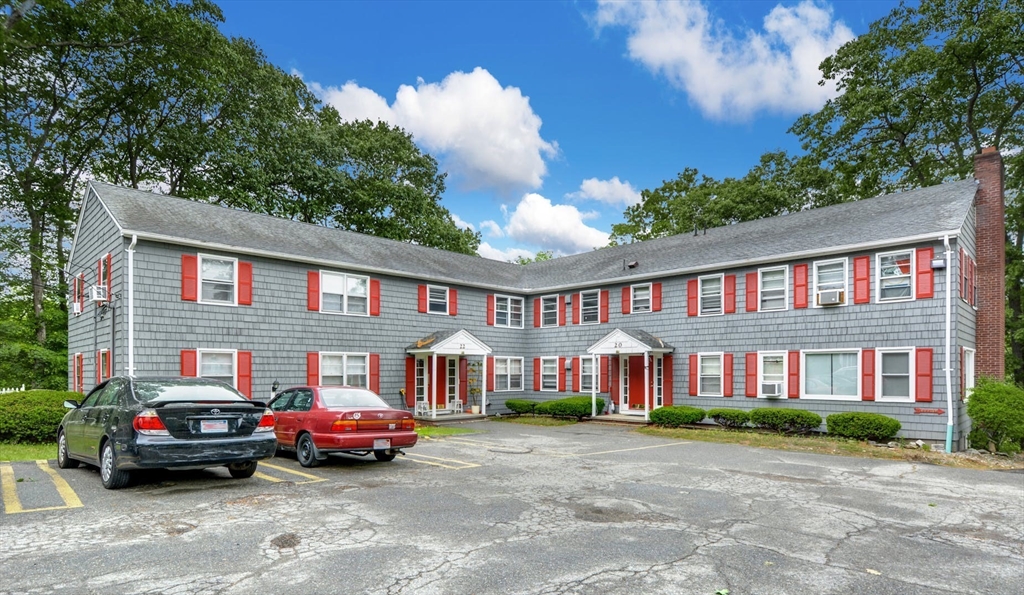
pixel 656 297
pixel 603 374
pixel 490 373
pixel 188 362
pixel 691 297
pixel 923 371
pixel 800 286
pixel 972 281
pixel 312 368
pixel 750 371
pixel 110 281
pixel 577 298
pixel 614 380
pixel 666 380
pixel 794 373
pixel 375 372
pixel 577 366
pixel 693 375
pixel 561 310
pixel 490 310
pixel 108 362
pixel 536 313
pixel 561 374
pixel 604 305
pixel 189 277
pixel 453 302
pixel 627 294
pixel 536 373
pixel 963 275
pixel 374 297
pixel 727 380
pixel 925 274
pixel 730 294
pixel 862 280
pixel 313 291
pixel 752 293
pixel 867 375
pixel 81 292
pixel 244 283
pixel 245 373
pixel 422 303
pixel 410 381
pixel 464 380
pixel 99 271
pixel 99 367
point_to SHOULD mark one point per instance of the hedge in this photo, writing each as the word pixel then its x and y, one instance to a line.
pixel 785 420
pixel 677 415
pixel 33 415
pixel 729 418
pixel 997 410
pixel 862 426
pixel 578 407
pixel 521 406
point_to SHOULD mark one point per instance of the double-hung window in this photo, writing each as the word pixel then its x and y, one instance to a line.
pixel 968 373
pixel 830 277
pixel 508 373
pixel 641 298
pixel 896 373
pixel 710 295
pixel 548 373
pixel 218 364
pixel 421 379
pixel 437 299
pixel 217 276
pixel 344 294
pixel 549 310
pixel 832 375
pixel 771 373
pixel 774 285
pixel 508 311
pixel 586 374
pixel 710 374
pixel 344 369
pixel 590 306
pixel 895 276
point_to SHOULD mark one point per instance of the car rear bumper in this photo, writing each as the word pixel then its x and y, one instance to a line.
pixel 156 452
pixel 337 442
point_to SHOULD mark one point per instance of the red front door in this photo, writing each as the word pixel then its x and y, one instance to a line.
pixel 440 381
pixel 636 383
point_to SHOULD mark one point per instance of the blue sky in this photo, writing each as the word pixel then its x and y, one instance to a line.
pixel 550 117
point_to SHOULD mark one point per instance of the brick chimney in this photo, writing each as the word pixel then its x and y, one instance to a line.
pixel 991 255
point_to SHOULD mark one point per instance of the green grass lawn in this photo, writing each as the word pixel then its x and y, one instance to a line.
pixel 530 420
pixel 435 431
pixel 27 452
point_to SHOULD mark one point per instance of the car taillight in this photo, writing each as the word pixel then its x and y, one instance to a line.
pixel 266 422
pixel 408 424
pixel 149 423
pixel 343 425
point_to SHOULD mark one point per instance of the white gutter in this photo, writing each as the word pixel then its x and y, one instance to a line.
pixel 131 305
pixel 949 332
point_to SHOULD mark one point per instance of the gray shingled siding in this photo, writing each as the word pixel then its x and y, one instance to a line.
pixel 964 321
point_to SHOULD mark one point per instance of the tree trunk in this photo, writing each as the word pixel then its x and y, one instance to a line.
pixel 35 248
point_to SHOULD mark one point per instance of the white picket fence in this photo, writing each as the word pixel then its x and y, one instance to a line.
pixel 4 391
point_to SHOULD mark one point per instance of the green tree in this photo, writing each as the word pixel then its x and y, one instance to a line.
pixel 538 257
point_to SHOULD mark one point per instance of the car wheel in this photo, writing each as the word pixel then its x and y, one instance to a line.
pixel 112 477
pixel 242 470
pixel 63 460
pixel 383 455
pixel 305 452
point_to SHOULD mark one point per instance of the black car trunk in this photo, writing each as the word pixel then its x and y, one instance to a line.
pixel 199 420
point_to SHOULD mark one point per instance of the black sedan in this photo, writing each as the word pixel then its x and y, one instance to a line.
pixel 131 423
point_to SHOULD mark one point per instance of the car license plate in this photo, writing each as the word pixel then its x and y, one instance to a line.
pixel 212 426
pixel 381 444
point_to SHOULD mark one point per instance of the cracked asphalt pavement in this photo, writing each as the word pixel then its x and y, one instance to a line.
pixel 518 509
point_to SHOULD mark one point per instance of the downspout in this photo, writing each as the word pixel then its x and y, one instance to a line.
pixel 949 333
pixel 131 305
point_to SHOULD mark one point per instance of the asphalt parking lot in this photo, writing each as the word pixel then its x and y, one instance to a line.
pixel 519 509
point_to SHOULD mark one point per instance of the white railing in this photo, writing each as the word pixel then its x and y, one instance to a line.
pixel 4 391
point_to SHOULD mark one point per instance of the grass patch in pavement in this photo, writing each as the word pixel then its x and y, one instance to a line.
pixel 27 452
pixel 834 446
pixel 435 431
pixel 531 420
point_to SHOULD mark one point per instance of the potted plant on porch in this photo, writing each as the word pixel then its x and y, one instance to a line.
pixel 473 379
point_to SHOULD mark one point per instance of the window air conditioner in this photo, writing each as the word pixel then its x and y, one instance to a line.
pixel 771 389
pixel 831 297
pixel 76 307
pixel 98 293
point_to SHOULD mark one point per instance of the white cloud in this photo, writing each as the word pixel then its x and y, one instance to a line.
pixel 728 76
pixel 560 228
pixel 462 224
pixel 488 251
pixel 612 192
pixel 492 229
pixel 486 134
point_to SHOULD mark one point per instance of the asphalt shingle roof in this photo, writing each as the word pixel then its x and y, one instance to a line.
pixel 884 219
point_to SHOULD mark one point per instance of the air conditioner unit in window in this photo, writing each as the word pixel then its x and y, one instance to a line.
pixel 98 293
pixel 831 297
pixel 771 389
pixel 76 307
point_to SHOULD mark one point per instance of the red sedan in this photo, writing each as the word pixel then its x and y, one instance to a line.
pixel 320 420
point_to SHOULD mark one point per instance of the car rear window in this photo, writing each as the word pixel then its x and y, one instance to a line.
pixel 350 397
pixel 172 391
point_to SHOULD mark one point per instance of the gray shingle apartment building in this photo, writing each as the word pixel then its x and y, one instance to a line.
pixel 891 305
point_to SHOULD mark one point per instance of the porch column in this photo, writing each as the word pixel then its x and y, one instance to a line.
pixel 433 392
pixel 647 386
pixel 483 387
pixel 593 384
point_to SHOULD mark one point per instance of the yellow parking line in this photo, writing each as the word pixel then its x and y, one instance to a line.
pixel 12 504
pixel 9 489
pixel 66 493
pixel 267 477
pixel 462 464
pixel 311 478
pixel 606 452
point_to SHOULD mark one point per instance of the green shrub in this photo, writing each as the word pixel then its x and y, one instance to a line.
pixel 33 415
pixel 862 426
pixel 997 411
pixel 578 407
pixel 520 406
pixel 785 420
pixel 729 418
pixel 677 415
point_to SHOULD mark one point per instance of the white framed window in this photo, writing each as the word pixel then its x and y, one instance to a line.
pixel 709 370
pixel 549 310
pixel 831 374
pixel 710 295
pixel 508 311
pixel 659 382
pixel 773 289
pixel 772 368
pixel 549 373
pixel 218 364
pixel 218 277
pixel 641 298
pixel 344 294
pixel 105 364
pixel 894 276
pixel 345 369
pixel 590 307
pixel 895 374
pixel 453 379
pixel 968 364
pixel 437 299
pixel 421 379
pixel 586 374
pixel 508 374
pixel 624 380
pixel 830 276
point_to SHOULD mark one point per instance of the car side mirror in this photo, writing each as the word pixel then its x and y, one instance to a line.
pixel 69 404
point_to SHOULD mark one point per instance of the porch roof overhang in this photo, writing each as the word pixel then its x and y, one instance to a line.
pixel 629 341
pixel 449 342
